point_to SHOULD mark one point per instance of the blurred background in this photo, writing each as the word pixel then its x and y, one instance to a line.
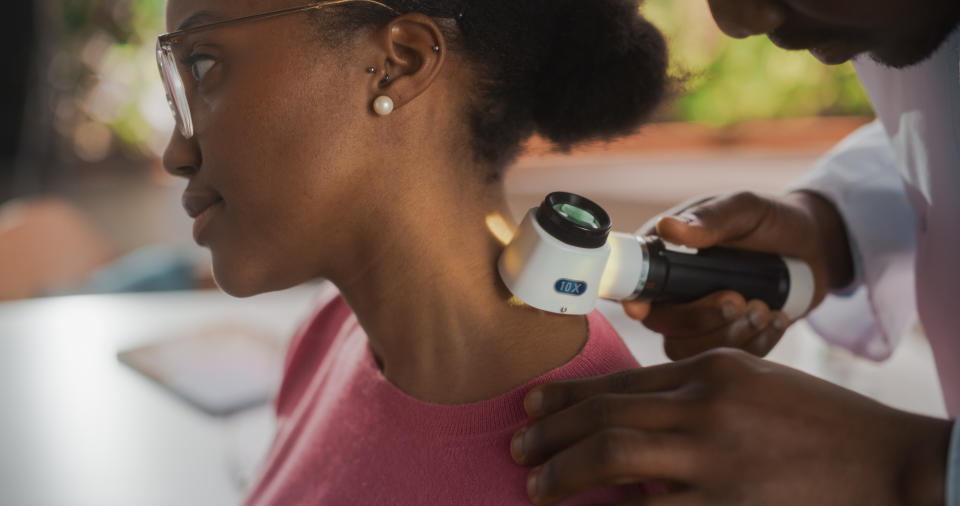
pixel 85 122
pixel 100 412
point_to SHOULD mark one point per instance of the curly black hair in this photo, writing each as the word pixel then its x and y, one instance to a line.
pixel 571 70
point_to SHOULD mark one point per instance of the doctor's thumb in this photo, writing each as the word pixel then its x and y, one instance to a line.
pixel 715 222
pixel 687 230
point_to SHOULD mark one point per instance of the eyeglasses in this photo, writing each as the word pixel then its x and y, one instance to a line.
pixel 168 63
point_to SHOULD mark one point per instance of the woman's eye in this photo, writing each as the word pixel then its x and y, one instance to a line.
pixel 200 65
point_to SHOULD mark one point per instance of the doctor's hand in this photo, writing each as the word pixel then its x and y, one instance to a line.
pixel 800 225
pixel 728 428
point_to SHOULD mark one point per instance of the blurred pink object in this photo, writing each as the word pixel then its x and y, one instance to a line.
pixel 47 244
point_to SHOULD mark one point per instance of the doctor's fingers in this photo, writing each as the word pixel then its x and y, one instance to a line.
pixel 636 310
pixel 650 227
pixel 743 18
pixel 696 318
pixel 684 498
pixel 554 397
pixel 537 442
pixel 763 343
pixel 757 321
pixel 614 457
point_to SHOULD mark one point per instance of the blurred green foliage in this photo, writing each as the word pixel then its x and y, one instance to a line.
pixel 733 80
pixel 109 100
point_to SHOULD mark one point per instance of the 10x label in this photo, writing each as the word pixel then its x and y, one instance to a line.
pixel 570 287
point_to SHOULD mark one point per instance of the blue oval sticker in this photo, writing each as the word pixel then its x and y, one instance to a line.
pixel 570 287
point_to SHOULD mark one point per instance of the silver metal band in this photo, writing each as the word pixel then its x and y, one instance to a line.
pixel 644 269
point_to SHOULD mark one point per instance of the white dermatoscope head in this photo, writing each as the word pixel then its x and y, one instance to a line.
pixel 558 255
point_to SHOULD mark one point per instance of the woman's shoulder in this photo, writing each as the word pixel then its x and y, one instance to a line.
pixel 604 353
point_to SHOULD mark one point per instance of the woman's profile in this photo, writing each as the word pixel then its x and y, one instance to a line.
pixel 365 142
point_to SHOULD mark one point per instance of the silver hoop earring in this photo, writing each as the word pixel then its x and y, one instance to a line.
pixel 383 105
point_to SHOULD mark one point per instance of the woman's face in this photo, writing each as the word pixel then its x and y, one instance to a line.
pixel 894 32
pixel 280 124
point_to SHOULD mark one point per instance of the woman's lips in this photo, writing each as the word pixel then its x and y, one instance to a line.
pixel 196 202
pixel 835 53
pixel 203 219
pixel 201 206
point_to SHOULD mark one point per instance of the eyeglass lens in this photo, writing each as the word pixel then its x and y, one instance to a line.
pixel 174 88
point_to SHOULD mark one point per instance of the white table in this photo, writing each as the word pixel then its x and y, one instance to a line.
pixel 79 428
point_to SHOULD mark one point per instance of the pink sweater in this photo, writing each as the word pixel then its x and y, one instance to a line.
pixel 346 435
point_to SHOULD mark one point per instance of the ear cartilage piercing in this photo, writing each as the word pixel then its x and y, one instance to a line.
pixel 436 49
pixel 383 105
pixel 385 80
pixel 372 70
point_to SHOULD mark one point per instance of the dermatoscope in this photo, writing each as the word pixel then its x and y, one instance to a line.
pixel 564 257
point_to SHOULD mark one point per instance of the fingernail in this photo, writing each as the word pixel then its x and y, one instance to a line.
pixel 760 344
pixel 516 446
pixel 534 403
pixel 756 317
pixel 532 490
pixel 781 322
pixel 689 219
pixel 729 311
pixel 736 329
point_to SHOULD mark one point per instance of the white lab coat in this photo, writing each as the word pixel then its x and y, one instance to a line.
pixel 896 183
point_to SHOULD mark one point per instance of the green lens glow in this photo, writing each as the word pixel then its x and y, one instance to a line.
pixel 578 216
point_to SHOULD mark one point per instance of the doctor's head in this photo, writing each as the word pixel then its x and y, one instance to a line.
pixel 896 33
pixel 307 130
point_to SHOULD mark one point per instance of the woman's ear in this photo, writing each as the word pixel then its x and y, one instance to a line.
pixel 415 51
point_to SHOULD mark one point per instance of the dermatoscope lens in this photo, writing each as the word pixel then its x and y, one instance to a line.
pixel 574 220
pixel 577 215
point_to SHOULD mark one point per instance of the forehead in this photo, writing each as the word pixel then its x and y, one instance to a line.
pixel 201 12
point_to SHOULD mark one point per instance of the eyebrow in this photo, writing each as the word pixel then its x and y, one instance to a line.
pixel 198 19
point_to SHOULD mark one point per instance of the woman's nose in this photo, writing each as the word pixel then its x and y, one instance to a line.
pixel 182 156
pixel 743 18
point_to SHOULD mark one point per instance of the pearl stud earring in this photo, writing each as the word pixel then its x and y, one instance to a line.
pixel 383 105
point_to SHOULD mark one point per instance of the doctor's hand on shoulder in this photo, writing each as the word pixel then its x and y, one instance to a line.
pixel 800 225
pixel 728 428
pixel 724 427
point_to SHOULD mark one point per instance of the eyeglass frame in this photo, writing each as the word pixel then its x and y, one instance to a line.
pixel 169 69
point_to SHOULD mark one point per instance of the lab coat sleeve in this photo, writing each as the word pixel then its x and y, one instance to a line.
pixel 861 178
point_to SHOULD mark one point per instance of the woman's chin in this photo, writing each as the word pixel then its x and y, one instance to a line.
pixel 240 292
pixel 237 282
pixel 246 280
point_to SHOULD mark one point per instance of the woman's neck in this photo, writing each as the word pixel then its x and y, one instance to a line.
pixel 439 320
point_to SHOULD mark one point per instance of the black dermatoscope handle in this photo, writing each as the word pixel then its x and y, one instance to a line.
pixel 675 277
